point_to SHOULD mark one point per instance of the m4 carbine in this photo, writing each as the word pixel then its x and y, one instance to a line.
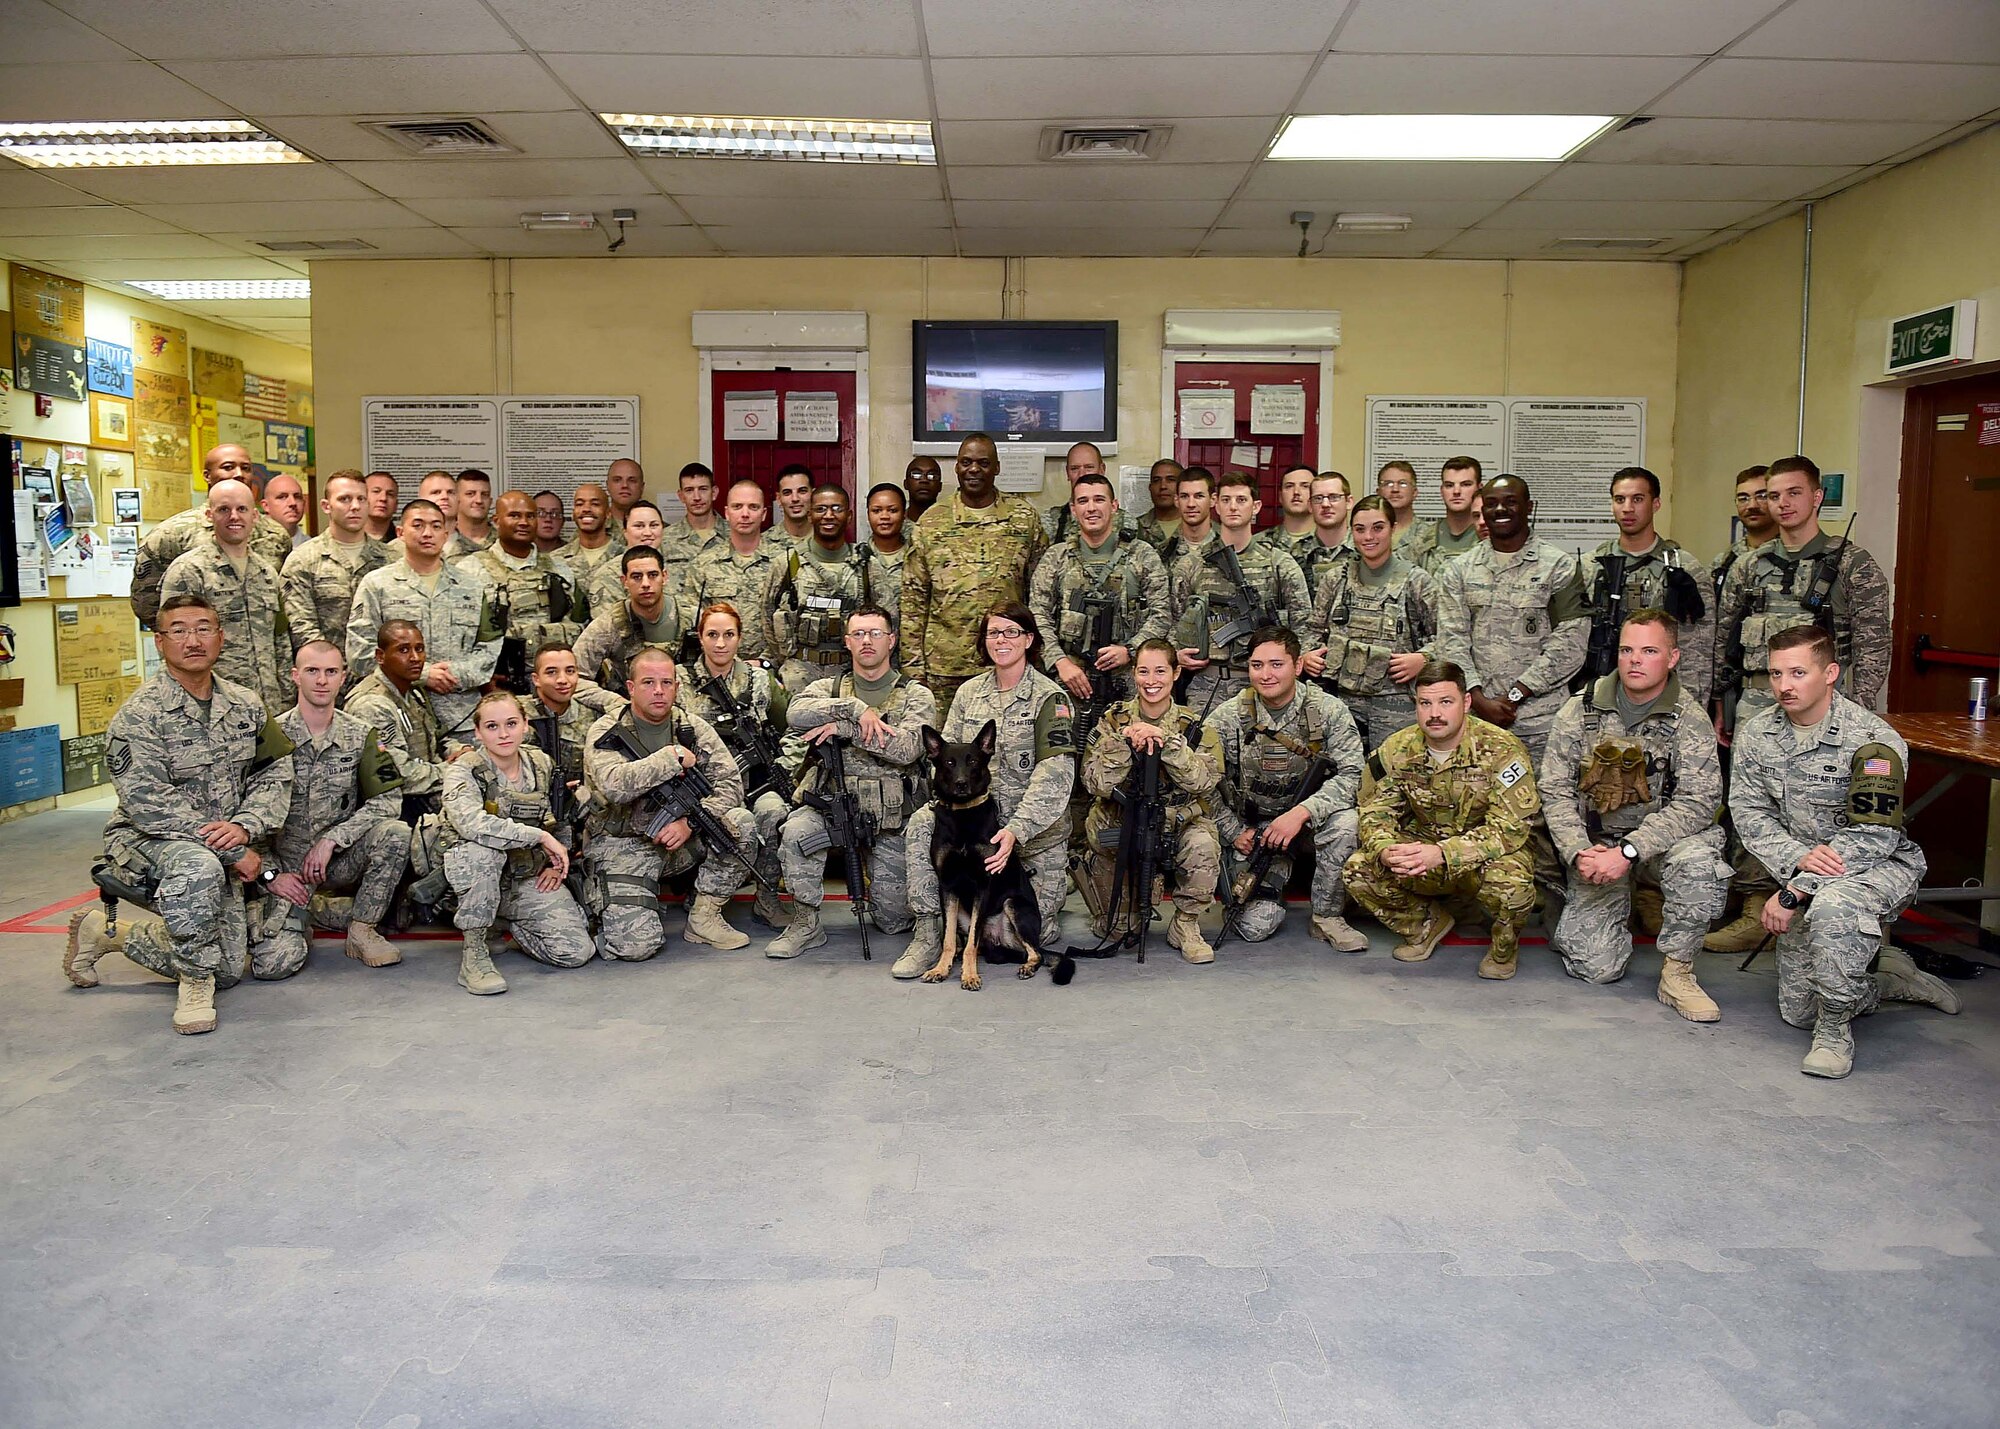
pixel 1238 892
pixel 849 827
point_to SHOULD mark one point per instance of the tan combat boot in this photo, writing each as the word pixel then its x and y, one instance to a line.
pixel 1184 932
pixel 1745 933
pixel 770 910
pixel 476 973
pixel 804 932
pixel 926 947
pixel 1683 994
pixel 1901 980
pixel 1340 935
pixel 707 925
pixel 1503 955
pixel 87 943
pixel 194 1009
pixel 1422 943
pixel 374 950
pixel 1832 1052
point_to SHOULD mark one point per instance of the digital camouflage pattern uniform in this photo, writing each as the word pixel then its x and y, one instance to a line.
pixel 1362 618
pixel 536 597
pixel 615 634
pixel 597 569
pixel 175 537
pixel 1766 592
pixel 345 788
pixel 1648 583
pixel 1519 618
pixel 781 543
pixel 819 592
pixel 458 545
pixel 1316 559
pixel 1265 754
pixel 178 764
pixel 749 583
pixel 409 729
pixel 889 583
pixel 455 618
pixel 1657 784
pixel 887 782
pixel 1067 586
pixel 571 730
pixel 964 560
pixel 1034 765
pixel 623 866
pixel 760 700
pixel 1191 862
pixel 1206 603
pixel 1156 532
pixel 680 543
pixel 1477 807
pixel 1431 545
pixel 493 854
pixel 318 581
pixel 251 609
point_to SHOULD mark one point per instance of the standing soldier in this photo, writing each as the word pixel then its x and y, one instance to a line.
pixel 1753 513
pixel 970 554
pixel 549 521
pixel 533 595
pixel 595 548
pixel 1229 589
pixel 202 775
pixel 176 535
pixel 1396 483
pixel 1100 594
pixel 1631 788
pixel 384 496
pixel 1641 569
pixel 625 487
pixel 742 570
pixel 1059 521
pixel 223 569
pixel 1374 626
pixel 473 528
pixel 1296 531
pixel 889 540
pixel 1454 799
pixel 1291 761
pixel 827 578
pixel 1190 768
pixel 878 715
pixel 319 576
pixel 697 529
pixel 648 615
pixel 922 482
pixel 1194 499
pixel 1816 793
pixel 629 756
pixel 1159 524
pixel 1332 535
pixel 1431 544
pixel 793 526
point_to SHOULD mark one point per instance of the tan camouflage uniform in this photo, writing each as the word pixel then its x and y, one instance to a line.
pixel 572 731
pixel 492 856
pixel 458 545
pixel 1764 594
pixel 888 576
pixel 1364 617
pixel 1066 580
pixel 779 542
pixel 963 561
pixel 1519 618
pixel 456 622
pixel 1646 584
pixel 750 583
pixel 250 607
pixel 318 581
pixel 1189 773
pixel 597 571
pixel 530 591
pixel 817 596
pixel 1156 533
pixel 1431 545
pixel 175 537
pixel 1316 559
pixel 762 699
pixel 1201 592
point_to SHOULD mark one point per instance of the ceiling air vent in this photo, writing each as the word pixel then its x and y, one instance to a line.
pixel 454 138
pixel 1631 245
pixel 1115 142
pixel 318 245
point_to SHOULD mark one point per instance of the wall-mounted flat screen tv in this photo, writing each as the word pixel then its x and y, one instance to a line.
pixel 1053 382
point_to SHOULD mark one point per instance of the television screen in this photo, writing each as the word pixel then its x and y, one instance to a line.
pixel 1035 381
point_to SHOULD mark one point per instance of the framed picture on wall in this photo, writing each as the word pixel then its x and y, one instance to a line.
pixel 110 421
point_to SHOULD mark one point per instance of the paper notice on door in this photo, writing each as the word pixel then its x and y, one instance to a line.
pixel 1207 415
pixel 750 417
pixel 812 417
pixel 1989 424
pixel 1278 410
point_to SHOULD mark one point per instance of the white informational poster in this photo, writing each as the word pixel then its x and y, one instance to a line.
pixel 559 443
pixel 1135 490
pixel 812 417
pixel 1207 415
pixel 750 417
pixel 1020 467
pixel 1277 410
pixel 408 436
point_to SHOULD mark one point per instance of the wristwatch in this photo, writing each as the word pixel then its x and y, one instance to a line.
pixel 267 876
pixel 1788 900
pixel 1629 850
pixel 1515 694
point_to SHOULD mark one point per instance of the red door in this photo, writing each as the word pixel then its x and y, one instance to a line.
pixel 759 461
pixel 1264 456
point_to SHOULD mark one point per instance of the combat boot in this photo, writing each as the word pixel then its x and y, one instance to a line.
pixel 804 932
pixel 1184 932
pixel 1340 935
pixel 476 973
pixel 194 1009
pixel 926 947
pixel 374 950
pixel 87 943
pixel 769 911
pixel 1422 943
pixel 1648 905
pixel 1901 980
pixel 1503 955
pixel 1832 1052
pixel 1746 933
pixel 707 925
pixel 1683 994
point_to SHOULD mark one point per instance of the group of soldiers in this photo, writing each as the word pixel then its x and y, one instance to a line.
pixel 1451 720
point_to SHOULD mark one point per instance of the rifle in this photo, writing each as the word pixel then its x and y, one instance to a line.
pixel 1607 616
pixel 1826 570
pixel 849 827
pixel 1141 832
pixel 510 671
pixel 680 797
pixel 1245 606
pixel 1103 616
pixel 751 734
pixel 548 738
pixel 1237 892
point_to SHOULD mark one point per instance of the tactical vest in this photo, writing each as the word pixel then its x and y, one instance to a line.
pixel 1114 580
pixel 522 805
pixel 1777 602
pixel 1272 761
pixel 1220 615
pixel 629 820
pixel 729 728
pixel 1622 781
pixel 612 670
pixel 1179 720
pixel 889 792
pixel 1380 615
pixel 821 618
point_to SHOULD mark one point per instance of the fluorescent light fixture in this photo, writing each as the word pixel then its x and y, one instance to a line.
pixel 826 141
pixel 1437 136
pixel 1371 222
pixel 144 143
pixel 257 289
pixel 538 222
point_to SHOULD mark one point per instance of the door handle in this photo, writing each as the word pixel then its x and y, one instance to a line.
pixel 1924 652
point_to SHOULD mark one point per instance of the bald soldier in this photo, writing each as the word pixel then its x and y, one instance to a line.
pixel 743 569
pixel 243 587
pixel 284 501
pixel 624 483
pixel 169 540
pixel 533 596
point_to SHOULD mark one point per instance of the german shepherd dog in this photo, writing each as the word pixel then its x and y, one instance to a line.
pixel 994 915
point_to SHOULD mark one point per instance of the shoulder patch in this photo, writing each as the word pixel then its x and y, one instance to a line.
pixel 1875 787
pixel 1511 773
pixel 1376 768
pixel 118 757
pixel 377 772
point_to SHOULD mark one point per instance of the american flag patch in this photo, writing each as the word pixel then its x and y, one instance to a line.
pixel 1875 766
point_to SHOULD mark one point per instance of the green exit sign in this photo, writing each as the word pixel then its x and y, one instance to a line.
pixel 1933 338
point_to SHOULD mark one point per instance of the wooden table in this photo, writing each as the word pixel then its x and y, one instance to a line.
pixel 1964 746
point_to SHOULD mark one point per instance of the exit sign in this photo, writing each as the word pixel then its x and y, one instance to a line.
pixel 1933 338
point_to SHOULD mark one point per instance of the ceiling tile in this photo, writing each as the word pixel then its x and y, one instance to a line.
pixel 1951 31
pixel 559 134
pixel 1756 141
pixel 1622 215
pixel 773 178
pixel 811 212
pixel 845 28
pixel 456 83
pixel 1546 27
pixel 1124 27
pixel 1017 141
pixel 1837 89
pixel 1078 242
pixel 235 29
pixel 1126 88
pixel 800 88
pixel 1532 243
pixel 642 241
pixel 38 33
pixel 426 242
pixel 321 215
pixel 876 240
pixel 1687 181
pixel 108 89
pixel 1085 180
pixel 1313 181
pixel 224 183
pixel 503 212
pixel 1411 243
pixel 1485 84
pixel 103 218
pixel 478 178
pixel 89 248
pixel 1111 213
pixel 24 188
pixel 1276 215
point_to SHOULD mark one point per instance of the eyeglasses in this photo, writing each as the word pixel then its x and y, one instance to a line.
pixel 1328 498
pixel 1005 632
pixel 865 636
pixel 1744 498
pixel 185 633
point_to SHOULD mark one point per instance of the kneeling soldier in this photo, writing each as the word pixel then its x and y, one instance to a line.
pixel 1454 798
pixel 201 776
pixel 1190 768
pixel 1631 787
pixel 879 714
pixel 1816 792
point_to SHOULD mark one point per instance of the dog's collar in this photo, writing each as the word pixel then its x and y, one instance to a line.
pixel 960 808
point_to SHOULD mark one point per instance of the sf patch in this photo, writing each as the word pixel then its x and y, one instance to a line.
pixel 1511 773
pixel 1875 787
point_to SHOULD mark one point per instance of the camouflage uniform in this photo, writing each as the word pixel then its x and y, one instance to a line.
pixel 1477 807
pixel 572 731
pixel 889 582
pixel 623 867
pixel 888 783
pixel 1519 618
pixel 318 581
pixel 408 727
pixel 1765 594
pixel 605 649
pixel 1265 753
pixel 458 545
pixel 780 543
pixel 761 699
pixel 1034 765
pixel 177 766
pixel 1189 773
pixel 176 536
pixel 536 596
pixel 1155 532
pixel 1431 545
pixel 818 594
pixel 1668 798
pixel 492 856
pixel 345 788
pixel 1066 581
pixel 963 561
pixel 680 543
pixel 1792 789
pixel 456 622
pixel 1201 592
pixel 750 583
pixel 1177 545
pixel 596 568
pixel 1316 559
pixel 1647 583
pixel 1363 617
pixel 251 609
